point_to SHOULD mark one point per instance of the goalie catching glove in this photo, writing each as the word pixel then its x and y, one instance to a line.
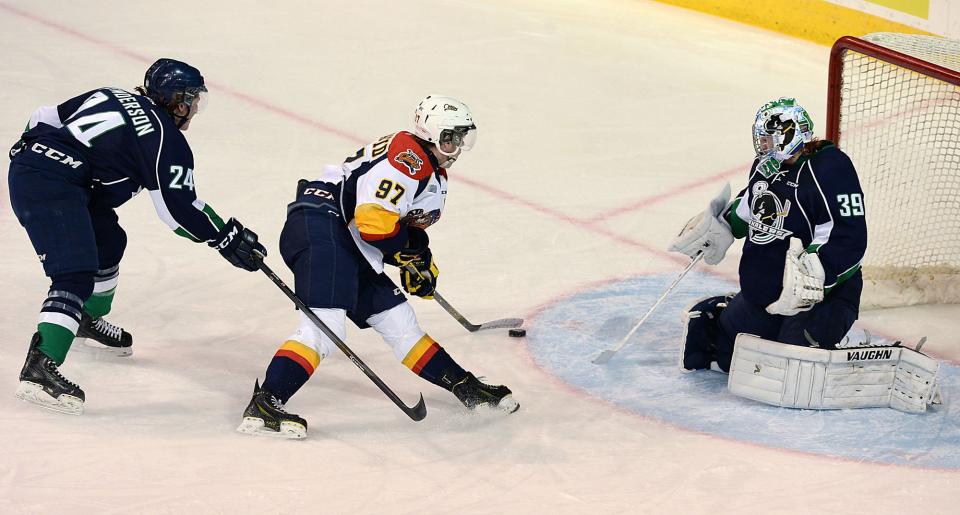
pixel 707 232
pixel 237 245
pixel 803 278
pixel 418 272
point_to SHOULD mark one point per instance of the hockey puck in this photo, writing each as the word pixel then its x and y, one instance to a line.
pixel 517 333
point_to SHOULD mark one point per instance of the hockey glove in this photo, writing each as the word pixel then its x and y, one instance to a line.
pixel 237 245
pixel 707 232
pixel 803 279
pixel 418 272
pixel 417 243
pixel 419 276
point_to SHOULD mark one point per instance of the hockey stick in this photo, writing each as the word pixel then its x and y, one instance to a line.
pixel 607 354
pixel 500 323
pixel 417 412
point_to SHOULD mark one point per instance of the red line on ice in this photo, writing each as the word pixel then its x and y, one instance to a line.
pixel 591 223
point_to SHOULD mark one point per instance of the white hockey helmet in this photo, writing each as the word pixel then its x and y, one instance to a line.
pixel 781 128
pixel 441 119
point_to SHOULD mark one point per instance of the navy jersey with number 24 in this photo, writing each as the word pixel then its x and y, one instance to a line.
pixel 120 143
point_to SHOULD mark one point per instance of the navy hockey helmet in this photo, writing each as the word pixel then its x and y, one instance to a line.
pixel 169 82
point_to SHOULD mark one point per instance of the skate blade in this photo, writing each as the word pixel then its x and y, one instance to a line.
pixel 115 351
pixel 288 430
pixel 35 394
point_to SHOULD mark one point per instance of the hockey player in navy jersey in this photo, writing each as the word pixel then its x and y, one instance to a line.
pixel 802 217
pixel 340 232
pixel 74 165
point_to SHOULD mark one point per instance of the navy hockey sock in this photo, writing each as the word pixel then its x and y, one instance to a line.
pixel 290 368
pixel 428 360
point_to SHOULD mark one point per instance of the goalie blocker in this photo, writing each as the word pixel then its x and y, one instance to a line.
pixel 862 377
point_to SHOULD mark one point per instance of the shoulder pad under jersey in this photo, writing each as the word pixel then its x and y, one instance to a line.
pixel 406 155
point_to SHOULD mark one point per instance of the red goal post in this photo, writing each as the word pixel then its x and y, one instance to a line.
pixel 893 105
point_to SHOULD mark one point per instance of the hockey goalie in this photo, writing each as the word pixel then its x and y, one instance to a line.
pixel 802 216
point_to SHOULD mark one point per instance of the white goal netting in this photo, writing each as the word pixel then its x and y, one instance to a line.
pixel 901 128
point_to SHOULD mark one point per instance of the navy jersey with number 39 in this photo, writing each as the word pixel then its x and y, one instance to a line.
pixel 819 200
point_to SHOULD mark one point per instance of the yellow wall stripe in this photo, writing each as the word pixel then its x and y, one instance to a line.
pixel 814 20
pixel 918 8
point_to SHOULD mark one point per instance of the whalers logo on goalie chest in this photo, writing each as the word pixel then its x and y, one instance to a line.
pixel 768 214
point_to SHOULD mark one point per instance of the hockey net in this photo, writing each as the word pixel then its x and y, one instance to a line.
pixel 894 108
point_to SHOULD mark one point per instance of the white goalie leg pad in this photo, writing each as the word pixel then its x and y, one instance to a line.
pixel 915 385
pixel 310 335
pixel 802 377
pixel 398 327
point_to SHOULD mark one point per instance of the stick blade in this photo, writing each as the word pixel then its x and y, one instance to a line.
pixel 418 412
pixel 604 357
pixel 503 323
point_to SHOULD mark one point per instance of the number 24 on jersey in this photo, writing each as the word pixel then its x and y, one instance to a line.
pixel 181 179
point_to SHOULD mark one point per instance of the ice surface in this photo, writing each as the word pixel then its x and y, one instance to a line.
pixel 604 126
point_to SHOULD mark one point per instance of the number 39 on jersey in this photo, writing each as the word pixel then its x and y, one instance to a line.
pixel 850 204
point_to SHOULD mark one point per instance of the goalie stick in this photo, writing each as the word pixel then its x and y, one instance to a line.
pixel 500 323
pixel 418 412
pixel 605 356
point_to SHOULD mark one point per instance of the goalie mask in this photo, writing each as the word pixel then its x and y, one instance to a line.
pixel 447 123
pixel 780 129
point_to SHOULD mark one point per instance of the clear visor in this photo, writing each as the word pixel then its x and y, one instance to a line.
pixel 459 138
pixel 198 99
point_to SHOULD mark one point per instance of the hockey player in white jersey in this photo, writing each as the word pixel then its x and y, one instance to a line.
pixel 803 218
pixel 341 231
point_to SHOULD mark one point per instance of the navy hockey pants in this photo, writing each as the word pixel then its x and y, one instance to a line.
pixel 69 232
pixel 826 323
pixel 328 269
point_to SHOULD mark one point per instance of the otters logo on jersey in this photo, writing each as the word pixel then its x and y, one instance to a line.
pixel 769 215
pixel 410 160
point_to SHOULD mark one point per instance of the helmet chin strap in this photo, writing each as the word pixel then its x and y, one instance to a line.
pixel 449 162
pixel 181 120
pixel 450 158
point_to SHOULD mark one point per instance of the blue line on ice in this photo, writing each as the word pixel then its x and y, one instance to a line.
pixel 644 378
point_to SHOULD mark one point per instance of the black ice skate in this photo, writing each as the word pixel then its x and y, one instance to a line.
pixel 104 335
pixel 42 384
pixel 265 416
pixel 472 393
